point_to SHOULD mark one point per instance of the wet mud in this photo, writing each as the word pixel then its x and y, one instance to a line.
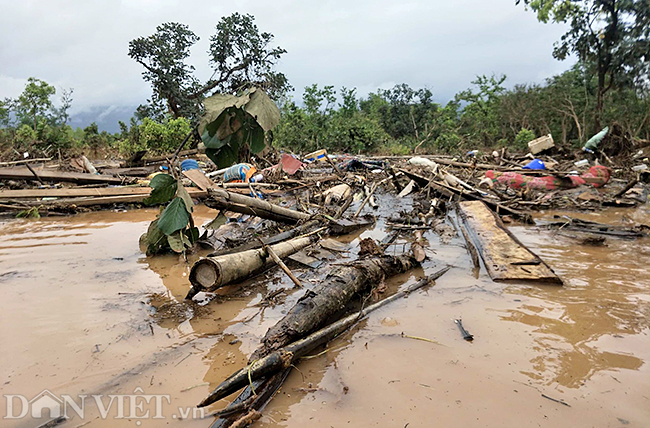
pixel 85 312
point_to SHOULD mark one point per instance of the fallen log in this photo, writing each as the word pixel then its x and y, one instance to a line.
pixel 25 161
pixel 164 158
pixel 210 273
pixel 282 358
pixel 331 296
pixel 246 205
pixel 504 256
pixel 74 192
pixel 465 165
pixel 136 171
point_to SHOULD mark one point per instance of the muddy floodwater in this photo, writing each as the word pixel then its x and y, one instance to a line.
pixel 85 315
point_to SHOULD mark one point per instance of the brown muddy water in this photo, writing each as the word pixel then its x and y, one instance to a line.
pixel 85 313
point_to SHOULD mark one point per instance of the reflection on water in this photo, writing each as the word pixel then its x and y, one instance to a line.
pixel 605 294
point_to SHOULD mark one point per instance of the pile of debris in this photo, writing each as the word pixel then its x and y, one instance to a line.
pixel 290 209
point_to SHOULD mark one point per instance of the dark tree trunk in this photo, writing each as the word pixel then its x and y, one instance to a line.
pixel 329 297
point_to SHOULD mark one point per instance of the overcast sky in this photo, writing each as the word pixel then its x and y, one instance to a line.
pixel 440 44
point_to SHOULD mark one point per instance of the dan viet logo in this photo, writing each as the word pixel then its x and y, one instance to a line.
pixel 113 406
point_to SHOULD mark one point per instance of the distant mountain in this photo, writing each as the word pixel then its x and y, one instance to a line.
pixel 106 117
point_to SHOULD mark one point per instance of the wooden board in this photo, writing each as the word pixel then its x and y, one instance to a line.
pixel 198 177
pixel 73 177
pixel 505 258
pixel 73 192
pixel 105 198
pixel 138 171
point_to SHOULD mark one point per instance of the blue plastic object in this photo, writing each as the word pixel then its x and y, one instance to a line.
pixel 535 164
pixel 189 164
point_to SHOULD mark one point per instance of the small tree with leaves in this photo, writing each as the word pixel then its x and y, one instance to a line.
pixel 611 36
pixel 34 103
pixel 239 54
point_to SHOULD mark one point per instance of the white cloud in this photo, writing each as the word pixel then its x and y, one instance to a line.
pixel 439 44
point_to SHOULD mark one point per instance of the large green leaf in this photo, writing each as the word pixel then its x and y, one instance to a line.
pixel 224 157
pixel 164 189
pixel 152 241
pixel 174 217
pixel 212 142
pixel 227 123
pixel 175 241
pixel 192 234
pixel 263 109
pixel 212 127
pixel 256 138
pixel 216 104
pixel 187 199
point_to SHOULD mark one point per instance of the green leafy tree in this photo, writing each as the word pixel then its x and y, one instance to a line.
pixel 320 124
pixel 407 111
pixel 243 56
pixel 63 112
pixel 34 103
pixel 239 54
pixel 163 57
pixel 523 137
pixel 480 120
pixel 612 36
pixel 5 110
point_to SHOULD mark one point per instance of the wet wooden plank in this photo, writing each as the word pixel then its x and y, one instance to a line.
pixel 505 258
pixel 73 177
pixel 83 192
pixel 199 178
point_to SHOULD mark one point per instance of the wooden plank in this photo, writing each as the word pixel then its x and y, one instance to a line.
pixel 84 197
pixel 505 258
pixel 73 192
pixel 198 177
pixel 25 161
pixel 136 171
pixel 73 177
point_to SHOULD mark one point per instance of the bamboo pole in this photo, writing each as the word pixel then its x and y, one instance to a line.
pixel 284 267
pixel 245 204
pixel 211 273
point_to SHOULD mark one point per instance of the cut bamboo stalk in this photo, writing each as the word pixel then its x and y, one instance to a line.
pixel 211 273
pixel 25 161
pixel 284 267
pixel 246 205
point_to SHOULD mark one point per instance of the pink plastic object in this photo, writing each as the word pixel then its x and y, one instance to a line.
pixel 290 164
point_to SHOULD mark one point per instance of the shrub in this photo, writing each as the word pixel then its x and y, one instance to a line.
pixel 522 139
